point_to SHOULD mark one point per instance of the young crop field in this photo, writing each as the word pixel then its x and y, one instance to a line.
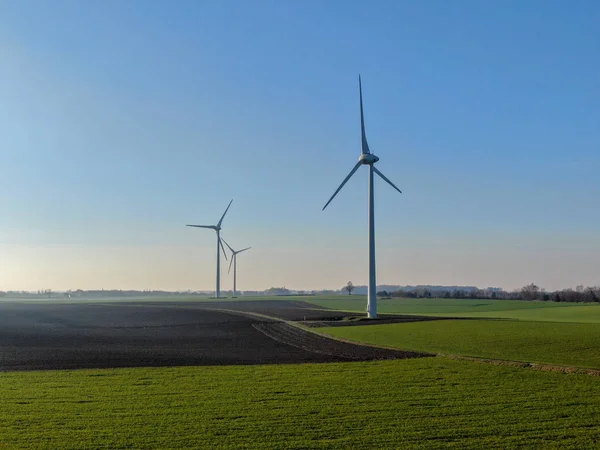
pixel 503 309
pixel 578 313
pixel 572 344
pixel 421 403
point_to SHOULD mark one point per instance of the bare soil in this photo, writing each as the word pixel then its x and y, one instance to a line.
pixel 316 343
pixel 134 334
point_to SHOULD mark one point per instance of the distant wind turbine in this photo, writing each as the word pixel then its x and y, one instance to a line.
pixel 369 159
pixel 234 261
pixel 217 228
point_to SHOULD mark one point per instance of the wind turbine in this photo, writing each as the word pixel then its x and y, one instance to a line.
pixel 217 228
pixel 368 159
pixel 234 261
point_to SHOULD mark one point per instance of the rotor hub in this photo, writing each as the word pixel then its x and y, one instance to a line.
pixel 368 158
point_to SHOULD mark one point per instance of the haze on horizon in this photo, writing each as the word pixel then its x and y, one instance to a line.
pixel 122 122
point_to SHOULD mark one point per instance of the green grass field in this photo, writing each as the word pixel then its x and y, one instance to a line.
pixel 423 403
pixel 503 309
pixel 544 332
pixel 571 344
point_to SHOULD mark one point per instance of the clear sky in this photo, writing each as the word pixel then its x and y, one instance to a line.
pixel 121 121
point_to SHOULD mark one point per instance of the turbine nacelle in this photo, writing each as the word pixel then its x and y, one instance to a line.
pixel 368 158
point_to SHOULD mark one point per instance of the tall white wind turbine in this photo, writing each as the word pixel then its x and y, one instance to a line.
pixel 234 262
pixel 217 228
pixel 369 159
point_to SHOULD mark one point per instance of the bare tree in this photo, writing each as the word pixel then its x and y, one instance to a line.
pixel 349 287
pixel 530 292
pixel 590 294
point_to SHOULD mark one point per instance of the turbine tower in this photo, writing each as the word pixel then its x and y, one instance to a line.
pixel 217 228
pixel 234 261
pixel 368 159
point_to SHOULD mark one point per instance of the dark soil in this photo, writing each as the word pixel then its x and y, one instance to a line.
pixel 312 342
pixel 315 316
pixel 105 335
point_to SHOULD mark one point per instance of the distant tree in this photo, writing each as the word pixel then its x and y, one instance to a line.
pixel 277 291
pixel 349 287
pixel 596 290
pixel 580 294
pixel 568 295
pixel 590 295
pixel 409 294
pixel 530 292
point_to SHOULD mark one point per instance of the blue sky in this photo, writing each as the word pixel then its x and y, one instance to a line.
pixel 123 121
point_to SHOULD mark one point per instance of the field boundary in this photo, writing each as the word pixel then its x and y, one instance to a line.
pixel 246 314
pixel 526 365
pixel 299 337
pixel 497 362
pixel 312 330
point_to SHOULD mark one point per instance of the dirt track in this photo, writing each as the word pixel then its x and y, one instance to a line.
pixel 96 335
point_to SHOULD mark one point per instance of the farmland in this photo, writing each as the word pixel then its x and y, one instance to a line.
pixel 541 332
pixel 572 344
pixel 422 403
pixel 245 374
pixel 134 334
pixel 501 309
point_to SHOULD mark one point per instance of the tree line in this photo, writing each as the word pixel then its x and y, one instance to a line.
pixel 529 292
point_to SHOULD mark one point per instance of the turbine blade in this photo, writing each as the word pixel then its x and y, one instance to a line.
pixel 358 164
pixel 212 227
pixel 240 251
pixel 223 216
pixel 223 248
pixel 230 263
pixel 365 145
pixel 232 250
pixel 385 179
